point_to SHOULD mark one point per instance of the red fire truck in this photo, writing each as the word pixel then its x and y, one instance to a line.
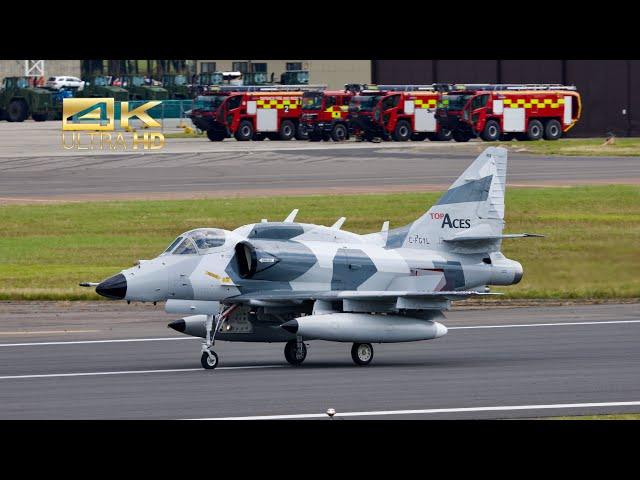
pixel 251 112
pixel 504 112
pixel 324 114
pixel 398 112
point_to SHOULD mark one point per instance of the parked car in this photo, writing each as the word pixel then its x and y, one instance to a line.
pixel 57 83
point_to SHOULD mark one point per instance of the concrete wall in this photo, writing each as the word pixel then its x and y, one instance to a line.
pixel 333 73
pixel 15 68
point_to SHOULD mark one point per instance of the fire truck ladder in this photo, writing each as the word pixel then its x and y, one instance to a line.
pixel 272 88
pixel 401 88
pixel 512 86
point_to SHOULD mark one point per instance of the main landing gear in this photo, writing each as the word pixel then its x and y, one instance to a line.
pixel 209 358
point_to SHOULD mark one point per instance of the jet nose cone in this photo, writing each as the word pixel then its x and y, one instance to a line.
pixel 291 326
pixel 178 325
pixel 114 287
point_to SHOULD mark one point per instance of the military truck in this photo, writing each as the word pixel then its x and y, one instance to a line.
pixel 19 101
pixel 204 81
pixel 295 77
pixel 137 89
pixel 177 86
pixel 99 86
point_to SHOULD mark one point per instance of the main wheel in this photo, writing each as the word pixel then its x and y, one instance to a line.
pixel 459 136
pixel 17 111
pixel 552 130
pixel 535 130
pixel 301 133
pixel 339 133
pixel 287 130
pixel 491 131
pixel 215 136
pixel 293 354
pixel 362 353
pixel 402 132
pixel 245 131
pixel 209 362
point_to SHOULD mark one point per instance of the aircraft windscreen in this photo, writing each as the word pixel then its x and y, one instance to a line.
pixel 173 244
pixel 185 248
pixel 207 238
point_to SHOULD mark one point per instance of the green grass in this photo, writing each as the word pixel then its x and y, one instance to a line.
pixel 614 416
pixel 591 249
pixel 580 147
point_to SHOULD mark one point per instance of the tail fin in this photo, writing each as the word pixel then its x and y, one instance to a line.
pixel 472 207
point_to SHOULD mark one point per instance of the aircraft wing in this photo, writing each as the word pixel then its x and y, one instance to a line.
pixel 479 238
pixel 286 296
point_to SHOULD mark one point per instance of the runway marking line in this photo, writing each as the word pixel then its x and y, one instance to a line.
pixel 470 327
pixel 429 411
pixel 129 372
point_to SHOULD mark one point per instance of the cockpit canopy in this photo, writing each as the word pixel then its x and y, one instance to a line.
pixel 197 242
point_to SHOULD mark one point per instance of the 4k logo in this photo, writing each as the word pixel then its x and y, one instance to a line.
pixel 449 222
pixel 98 114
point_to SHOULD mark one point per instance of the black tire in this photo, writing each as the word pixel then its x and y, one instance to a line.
pixel 552 130
pixel 339 133
pixel 292 354
pixel 39 117
pixel 244 132
pixel 215 136
pixel 535 130
pixel 444 135
pixel 209 362
pixel 491 131
pixel 419 137
pixel 402 132
pixel 17 111
pixel 3 114
pixel 459 136
pixel 362 353
pixel 301 133
pixel 287 130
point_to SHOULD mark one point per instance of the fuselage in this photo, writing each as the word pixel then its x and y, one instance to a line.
pixel 278 256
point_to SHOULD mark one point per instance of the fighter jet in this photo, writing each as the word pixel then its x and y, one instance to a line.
pixel 295 282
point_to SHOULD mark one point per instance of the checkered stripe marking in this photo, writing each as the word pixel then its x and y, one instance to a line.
pixel 538 102
pixel 292 103
pixel 425 102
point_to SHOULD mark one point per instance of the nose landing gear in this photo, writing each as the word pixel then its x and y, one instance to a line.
pixel 209 358
pixel 295 351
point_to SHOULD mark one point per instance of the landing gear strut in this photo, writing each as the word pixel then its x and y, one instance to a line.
pixel 295 351
pixel 209 358
pixel 362 353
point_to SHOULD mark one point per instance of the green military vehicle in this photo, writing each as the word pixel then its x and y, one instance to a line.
pixel 99 86
pixel 137 89
pixel 204 81
pixel 19 101
pixel 177 86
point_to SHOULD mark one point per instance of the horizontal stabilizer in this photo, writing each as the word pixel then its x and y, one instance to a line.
pixel 480 238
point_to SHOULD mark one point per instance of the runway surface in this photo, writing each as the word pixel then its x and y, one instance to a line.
pixel 34 167
pixel 494 363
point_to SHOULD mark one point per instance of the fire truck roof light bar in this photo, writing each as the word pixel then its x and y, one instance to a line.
pixel 513 86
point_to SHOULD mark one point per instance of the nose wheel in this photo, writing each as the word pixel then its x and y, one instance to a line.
pixel 209 360
pixel 295 351
pixel 362 353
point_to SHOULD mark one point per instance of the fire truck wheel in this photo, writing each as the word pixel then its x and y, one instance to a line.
pixel 459 136
pixel 287 130
pixel 491 131
pixel 552 130
pixel 215 136
pixel 301 133
pixel 419 137
pixel 339 133
pixel 402 132
pixel 535 130
pixel 245 131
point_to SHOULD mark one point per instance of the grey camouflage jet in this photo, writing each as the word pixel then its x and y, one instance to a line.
pixel 294 282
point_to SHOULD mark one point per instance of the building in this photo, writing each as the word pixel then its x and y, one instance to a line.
pixel 18 68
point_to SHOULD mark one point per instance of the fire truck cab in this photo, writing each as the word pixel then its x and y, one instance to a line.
pixel 397 112
pixel 250 113
pixel 324 114
pixel 524 112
